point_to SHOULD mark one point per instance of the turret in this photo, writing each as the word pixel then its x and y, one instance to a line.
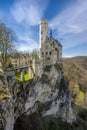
pixel 50 33
pixel 43 31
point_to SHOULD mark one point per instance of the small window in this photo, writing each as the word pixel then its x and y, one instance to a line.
pixel 41 39
pixel 42 53
pixel 45 28
pixel 56 49
pixel 48 58
pixel 46 53
pixel 50 53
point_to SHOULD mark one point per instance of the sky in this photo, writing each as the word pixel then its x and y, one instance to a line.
pixel 66 18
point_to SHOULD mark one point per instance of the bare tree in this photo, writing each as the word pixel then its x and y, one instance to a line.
pixel 35 53
pixel 7 38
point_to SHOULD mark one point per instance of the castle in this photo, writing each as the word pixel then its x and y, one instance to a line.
pixel 50 52
pixel 50 49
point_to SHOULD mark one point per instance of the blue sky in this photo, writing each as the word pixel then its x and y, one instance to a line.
pixel 67 19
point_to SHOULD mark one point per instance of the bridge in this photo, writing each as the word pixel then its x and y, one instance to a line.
pixel 23 69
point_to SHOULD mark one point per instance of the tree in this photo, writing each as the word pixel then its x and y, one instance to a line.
pixel 35 53
pixel 7 48
pixel 7 38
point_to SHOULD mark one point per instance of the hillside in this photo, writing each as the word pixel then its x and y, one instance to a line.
pixel 80 60
pixel 75 71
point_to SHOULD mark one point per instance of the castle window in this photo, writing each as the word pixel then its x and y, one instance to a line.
pixel 48 58
pixel 50 53
pixel 56 49
pixel 42 53
pixel 46 53
pixel 41 32
pixel 45 28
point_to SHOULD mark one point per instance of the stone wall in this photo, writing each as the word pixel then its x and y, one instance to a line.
pixel 43 31
pixel 20 59
pixel 51 52
pixel 51 49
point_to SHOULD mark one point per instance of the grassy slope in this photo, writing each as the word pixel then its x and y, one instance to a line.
pixel 53 123
pixel 75 71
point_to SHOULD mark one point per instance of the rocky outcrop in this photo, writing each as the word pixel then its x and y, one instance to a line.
pixel 8 114
pixel 48 96
pixel 6 100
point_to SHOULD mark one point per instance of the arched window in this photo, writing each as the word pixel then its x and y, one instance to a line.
pixel 46 53
pixel 50 53
pixel 56 49
pixel 48 58
pixel 42 53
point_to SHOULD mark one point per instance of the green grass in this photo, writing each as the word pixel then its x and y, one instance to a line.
pixel 18 76
pixel 53 123
pixel 26 77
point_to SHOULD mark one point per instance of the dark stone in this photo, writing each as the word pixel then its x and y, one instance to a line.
pixel 31 122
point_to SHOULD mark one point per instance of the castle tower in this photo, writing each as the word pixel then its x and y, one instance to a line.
pixel 43 31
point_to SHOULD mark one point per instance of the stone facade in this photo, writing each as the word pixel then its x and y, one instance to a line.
pixel 20 59
pixel 43 32
pixel 51 49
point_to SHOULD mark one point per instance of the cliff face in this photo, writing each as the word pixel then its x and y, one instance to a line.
pixel 48 95
pixel 49 100
pixel 6 100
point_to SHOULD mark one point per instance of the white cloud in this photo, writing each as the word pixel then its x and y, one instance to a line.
pixel 72 19
pixel 26 43
pixel 28 11
pixel 71 24
pixel 30 47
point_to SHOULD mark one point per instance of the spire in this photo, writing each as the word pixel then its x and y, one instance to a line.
pixel 50 33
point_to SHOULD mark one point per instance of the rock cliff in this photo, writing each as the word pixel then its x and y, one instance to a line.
pixel 48 96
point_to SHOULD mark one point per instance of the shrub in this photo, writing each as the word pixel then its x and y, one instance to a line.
pixel 44 79
pixel 58 66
